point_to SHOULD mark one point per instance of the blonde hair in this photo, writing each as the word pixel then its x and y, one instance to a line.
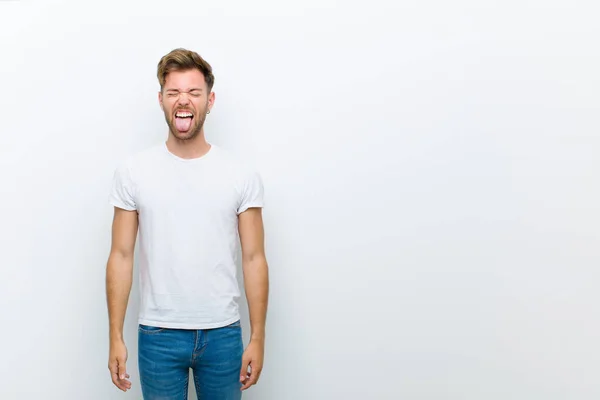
pixel 183 60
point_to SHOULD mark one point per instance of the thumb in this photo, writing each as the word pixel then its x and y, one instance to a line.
pixel 122 370
pixel 244 370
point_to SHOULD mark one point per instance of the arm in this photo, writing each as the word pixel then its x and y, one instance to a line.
pixel 119 271
pixel 256 283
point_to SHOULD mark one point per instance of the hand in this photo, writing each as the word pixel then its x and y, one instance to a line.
pixel 116 364
pixel 253 358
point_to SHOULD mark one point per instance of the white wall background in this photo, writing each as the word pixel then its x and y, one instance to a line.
pixel 431 170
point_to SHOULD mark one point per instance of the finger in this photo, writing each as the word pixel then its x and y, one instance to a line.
pixel 123 378
pixel 252 378
pixel 248 383
pixel 119 376
pixel 125 384
pixel 122 385
pixel 114 373
pixel 122 370
pixel 244 371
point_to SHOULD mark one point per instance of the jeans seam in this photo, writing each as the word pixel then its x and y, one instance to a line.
pixel 193 355
pixel 197 385
pixel 185 387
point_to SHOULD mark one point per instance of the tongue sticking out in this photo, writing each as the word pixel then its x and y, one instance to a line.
pixel 183 124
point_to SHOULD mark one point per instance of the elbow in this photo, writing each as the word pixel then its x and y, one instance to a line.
pixel 255 261
pixel 120 260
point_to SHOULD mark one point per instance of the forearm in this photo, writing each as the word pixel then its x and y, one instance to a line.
pixel 119 271
pixel 256 279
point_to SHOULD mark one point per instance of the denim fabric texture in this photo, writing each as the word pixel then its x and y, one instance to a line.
pixel 165 357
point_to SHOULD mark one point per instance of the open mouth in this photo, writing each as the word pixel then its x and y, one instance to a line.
pixel 183 120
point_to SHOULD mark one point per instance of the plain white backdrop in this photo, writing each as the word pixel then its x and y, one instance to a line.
pixel 432 180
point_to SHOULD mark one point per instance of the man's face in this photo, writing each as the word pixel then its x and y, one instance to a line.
pixel 185 101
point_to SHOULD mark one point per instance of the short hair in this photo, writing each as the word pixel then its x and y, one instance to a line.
pixel 183 60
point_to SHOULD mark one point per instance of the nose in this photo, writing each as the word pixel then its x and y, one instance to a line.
pixel 183 99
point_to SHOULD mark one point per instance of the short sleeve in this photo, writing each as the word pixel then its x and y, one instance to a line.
pixel 252 192
pixel 122 191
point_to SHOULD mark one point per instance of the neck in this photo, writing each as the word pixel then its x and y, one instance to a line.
pixel 191 148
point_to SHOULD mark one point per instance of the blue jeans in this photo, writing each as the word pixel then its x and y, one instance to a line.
pixel 165 357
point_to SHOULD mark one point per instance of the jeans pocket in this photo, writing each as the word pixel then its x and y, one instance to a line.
pixel 150 329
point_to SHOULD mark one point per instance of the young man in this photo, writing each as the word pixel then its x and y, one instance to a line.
pixel 193 204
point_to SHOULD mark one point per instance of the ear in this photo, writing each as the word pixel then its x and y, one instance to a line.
pixel 160 100
pixel 211 100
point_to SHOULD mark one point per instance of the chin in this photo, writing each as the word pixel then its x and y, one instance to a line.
pixel 184 135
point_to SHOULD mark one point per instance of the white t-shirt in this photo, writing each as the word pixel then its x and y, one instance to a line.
pixel 188 233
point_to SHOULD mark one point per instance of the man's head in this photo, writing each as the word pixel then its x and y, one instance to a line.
pixel 186 82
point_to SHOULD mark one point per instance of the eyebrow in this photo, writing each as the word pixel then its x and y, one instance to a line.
pixel 191 90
